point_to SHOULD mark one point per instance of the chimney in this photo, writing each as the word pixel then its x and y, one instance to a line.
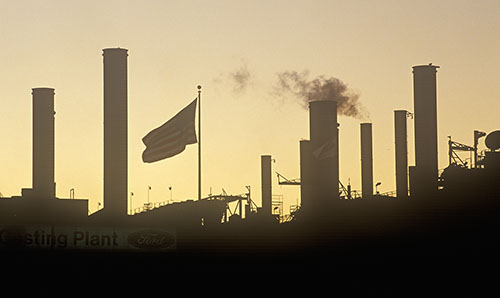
pixel 366 161
pixel 43 142
pixel 324 148
pixel 115 131
pixel 305 174
pixel 425 109
pixel 401 149
pixel 266 185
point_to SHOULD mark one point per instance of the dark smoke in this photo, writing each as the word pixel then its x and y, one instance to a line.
pixel 240 78
pixel 320 88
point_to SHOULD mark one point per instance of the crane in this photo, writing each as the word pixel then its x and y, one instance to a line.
pixel 453 147
pixel 348 193
pixel 287 181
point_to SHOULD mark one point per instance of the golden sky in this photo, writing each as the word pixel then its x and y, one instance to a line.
pixel 176 45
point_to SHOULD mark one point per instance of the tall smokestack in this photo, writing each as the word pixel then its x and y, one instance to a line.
pixel 43 142
pixel 425 109
pixel 266 185
pixel 401 148
pixel 305 174
pixel 324 148
pixel 366 160
pixel 115 131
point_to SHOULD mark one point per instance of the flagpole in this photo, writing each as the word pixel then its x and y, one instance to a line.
pixel 199 142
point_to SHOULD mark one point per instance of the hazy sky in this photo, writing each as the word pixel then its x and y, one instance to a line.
pixel 176 45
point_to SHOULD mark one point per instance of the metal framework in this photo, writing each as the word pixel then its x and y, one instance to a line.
pixel 345 192
pixel 285 181
pixel 454 148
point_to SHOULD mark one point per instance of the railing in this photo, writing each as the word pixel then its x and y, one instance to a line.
pixel 150 206
pixel 391 193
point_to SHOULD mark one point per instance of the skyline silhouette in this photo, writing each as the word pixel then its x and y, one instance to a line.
pixel 388 152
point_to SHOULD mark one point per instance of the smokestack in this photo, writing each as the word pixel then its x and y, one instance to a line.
pixel 401 148
pixel 412 180
pixel 305 174
pixel 265 161
pixel 43 142
pixel 366 161
pixel 115 131
pixel 425 109
pixel 324 149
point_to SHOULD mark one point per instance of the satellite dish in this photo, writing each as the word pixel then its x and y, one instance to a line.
pixel 492 140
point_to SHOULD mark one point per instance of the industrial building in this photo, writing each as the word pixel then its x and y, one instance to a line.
pixel 427 211
pixel 39 205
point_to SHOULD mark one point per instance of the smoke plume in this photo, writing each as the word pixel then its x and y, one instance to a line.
pixel 320 88
pixel 240 78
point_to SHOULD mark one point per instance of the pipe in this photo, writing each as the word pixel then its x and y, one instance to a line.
pixel 366 160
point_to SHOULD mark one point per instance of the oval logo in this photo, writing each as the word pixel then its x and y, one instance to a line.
pixel 151 239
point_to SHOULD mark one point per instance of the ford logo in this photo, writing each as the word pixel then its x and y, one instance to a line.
pixel 151 239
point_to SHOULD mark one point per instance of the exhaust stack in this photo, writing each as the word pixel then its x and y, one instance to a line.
pixel 266 185
pixel 426 146
pixel 305 174
pixel 401 148
pixel 366 161
pixel 324 149
pixel 43 143
pixel 115 131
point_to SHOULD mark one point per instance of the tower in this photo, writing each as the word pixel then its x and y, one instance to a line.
pixel 43 142
pixel 115 131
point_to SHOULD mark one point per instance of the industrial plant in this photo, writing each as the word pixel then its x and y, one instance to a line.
pixel 432 212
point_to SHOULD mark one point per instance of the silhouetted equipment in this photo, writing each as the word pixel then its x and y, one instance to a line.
pixel 266 184
pixel 115 132
pixel 43 143
pixel 425 111
pixel 324 147
pixel 401 149
pixel 453 147
pixel 464 212
pixel 345 192
pixel 366 160
pixel 477 135
pixel 282 180
pixel 492 141
pixel 376 187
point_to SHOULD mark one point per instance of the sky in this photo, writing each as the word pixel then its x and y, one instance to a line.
pixel 235 50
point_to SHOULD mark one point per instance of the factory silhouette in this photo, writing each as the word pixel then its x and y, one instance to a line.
pixel 432 213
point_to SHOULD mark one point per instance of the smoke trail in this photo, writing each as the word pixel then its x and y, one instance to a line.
pixel 240 78
pixel 320 88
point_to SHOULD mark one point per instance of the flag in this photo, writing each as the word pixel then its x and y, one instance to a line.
pixel 172 137
pixel 327 150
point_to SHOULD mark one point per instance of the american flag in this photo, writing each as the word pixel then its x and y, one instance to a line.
pixel 172 137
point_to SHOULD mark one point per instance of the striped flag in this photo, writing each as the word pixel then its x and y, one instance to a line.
pixel 172 137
